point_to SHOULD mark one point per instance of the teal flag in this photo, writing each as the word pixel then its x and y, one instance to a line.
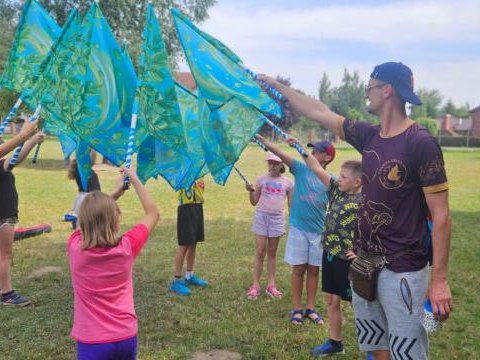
pixel 231 103
pixel 36 33
pixel 90 87
pixel 172 149
pixel 218 72
pixel 157 99
pixel 84 163
pixel 179 166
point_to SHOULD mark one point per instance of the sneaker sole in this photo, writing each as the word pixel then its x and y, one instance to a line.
pixel 17 305
pixel 324 355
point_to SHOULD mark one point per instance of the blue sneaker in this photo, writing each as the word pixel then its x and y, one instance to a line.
pixel 327 348
pixel 194 280
pixel 370 356
pixel 180 287
pixel 15 299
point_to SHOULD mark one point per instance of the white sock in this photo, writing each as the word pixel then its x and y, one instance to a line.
pixel 188 274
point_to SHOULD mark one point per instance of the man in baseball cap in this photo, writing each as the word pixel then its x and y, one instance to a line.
pixel 400 77
pixel 391 216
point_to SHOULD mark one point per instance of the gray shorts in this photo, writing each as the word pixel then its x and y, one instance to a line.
pixel 270 225
pixel 394 320
pixel 303 247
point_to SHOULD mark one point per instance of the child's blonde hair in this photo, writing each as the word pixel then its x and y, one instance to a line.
pixel 98 220
pixel 354 166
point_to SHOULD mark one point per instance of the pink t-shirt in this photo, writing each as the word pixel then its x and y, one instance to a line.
pixel 103 309
pixel 273 193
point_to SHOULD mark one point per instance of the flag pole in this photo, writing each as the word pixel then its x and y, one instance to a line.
pixel 243 177
pixel 285 136
pixel 131 143
pixel 259 143
pixel 10 115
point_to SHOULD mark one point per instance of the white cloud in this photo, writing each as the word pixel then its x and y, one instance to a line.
pixel 300 43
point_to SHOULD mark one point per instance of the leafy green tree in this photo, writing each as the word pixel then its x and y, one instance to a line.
pixel 431 100
pixel 127 18
pixel 460 112
pixel 349 95
pixel 429 123
pixel 325 93
pixel 8 12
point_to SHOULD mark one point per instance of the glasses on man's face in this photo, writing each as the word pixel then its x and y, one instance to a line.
pixel 369 87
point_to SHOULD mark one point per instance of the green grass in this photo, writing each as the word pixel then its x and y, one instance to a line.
pixel 172 327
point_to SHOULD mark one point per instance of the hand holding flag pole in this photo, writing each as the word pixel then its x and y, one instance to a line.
pixel 268 88
pixel 16 153
pixel 131 143
pixel 10 115
pixel 244 178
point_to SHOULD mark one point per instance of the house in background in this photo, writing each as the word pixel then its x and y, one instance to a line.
pixel 450 125
pixel 475 122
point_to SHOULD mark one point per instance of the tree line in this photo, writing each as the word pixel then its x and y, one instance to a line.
pixel 127 20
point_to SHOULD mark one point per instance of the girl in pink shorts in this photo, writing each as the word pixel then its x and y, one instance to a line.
pixel 268 195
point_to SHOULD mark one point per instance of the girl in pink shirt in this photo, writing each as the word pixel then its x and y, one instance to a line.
pixel 101 264
pixel 268 196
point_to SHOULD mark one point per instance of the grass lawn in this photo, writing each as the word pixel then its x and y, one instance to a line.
pixel 219 317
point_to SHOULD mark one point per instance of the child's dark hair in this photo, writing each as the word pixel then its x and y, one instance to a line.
pixel 354 166
pixel 72 170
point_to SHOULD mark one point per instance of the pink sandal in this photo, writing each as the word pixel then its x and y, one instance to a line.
pixel 253 292
pixel 273 292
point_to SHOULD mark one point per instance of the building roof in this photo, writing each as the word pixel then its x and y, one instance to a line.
pixel 475 109
pixel 186 79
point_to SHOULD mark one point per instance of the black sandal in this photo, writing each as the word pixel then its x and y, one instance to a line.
pixel 318 320
pixel 294 319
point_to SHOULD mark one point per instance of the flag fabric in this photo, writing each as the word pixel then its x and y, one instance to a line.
pixel 179 166
pixel 156 94
pixel 231 103
pixel 36 33
pixel 90 87
pixel 84 163
pixel 170 113
pixel 218 72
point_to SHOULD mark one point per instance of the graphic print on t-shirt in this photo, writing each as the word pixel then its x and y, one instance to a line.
pixel 376 215
pixel 392 174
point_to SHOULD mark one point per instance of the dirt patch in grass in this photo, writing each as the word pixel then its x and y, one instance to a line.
pixel 216 355
pixel 38 273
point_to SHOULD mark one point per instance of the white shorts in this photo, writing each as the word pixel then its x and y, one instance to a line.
pixel 270 225
pixel 303 248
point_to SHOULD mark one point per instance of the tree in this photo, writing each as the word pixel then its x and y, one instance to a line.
pixel 459 112
pixel 324 90
pixel 431 100
pixel 127 19
pixel 429 123
pixel 8 12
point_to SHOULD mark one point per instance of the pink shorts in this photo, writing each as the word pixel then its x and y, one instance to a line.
pixel 270 225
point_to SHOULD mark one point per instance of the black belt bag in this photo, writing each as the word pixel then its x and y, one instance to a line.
pixel 363 274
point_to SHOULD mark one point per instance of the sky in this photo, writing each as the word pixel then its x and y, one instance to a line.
pixel 301 39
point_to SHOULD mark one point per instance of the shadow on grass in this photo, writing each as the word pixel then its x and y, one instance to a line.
pixel 45 164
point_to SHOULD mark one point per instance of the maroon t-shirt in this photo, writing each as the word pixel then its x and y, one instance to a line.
pixel 397 171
